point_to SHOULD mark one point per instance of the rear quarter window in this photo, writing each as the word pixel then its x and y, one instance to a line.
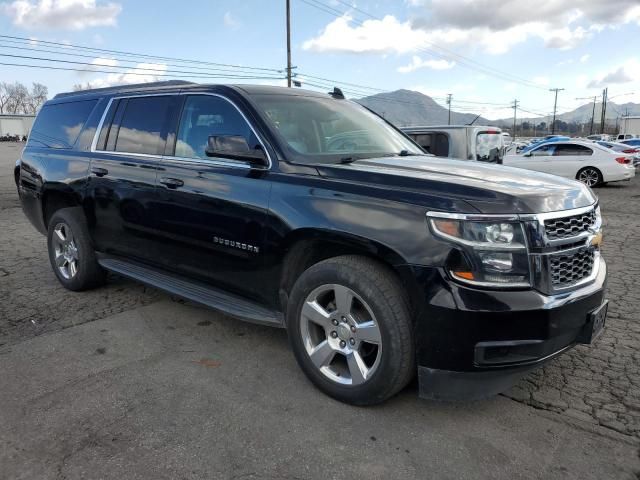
pixel 59 125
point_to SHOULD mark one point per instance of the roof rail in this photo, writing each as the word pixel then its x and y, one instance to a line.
pixel 165 83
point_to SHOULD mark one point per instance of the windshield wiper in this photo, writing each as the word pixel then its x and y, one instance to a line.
pixel 346 160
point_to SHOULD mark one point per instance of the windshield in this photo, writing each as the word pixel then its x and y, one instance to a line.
pixel 327 130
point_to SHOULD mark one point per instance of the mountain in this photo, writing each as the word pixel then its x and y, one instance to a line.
pixel 406 107
pixel 582 114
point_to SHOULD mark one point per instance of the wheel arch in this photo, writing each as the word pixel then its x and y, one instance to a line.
pixel 55 197
pixel 306 247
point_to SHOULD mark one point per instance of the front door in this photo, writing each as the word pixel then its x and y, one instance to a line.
pixel 212 211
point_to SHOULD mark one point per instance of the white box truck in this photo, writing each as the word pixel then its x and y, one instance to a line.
pixel 629 128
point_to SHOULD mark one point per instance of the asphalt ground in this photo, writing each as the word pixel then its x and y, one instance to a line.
pixel 127 382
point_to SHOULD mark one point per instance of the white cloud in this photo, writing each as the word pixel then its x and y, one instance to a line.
pixel 498 25
pixel 61 14
pixel 231 21
pixel 141 73
pixel 418 63
pixel 390 35
pixel 585 58
pixel 373 36
pixel 503 14
pixel 625 73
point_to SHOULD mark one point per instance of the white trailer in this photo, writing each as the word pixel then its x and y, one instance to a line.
pixel 630 126
pixel 16 125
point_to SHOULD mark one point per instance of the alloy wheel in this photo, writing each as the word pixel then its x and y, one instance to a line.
pixel 65 251
pixel 341 334
pixel 589 177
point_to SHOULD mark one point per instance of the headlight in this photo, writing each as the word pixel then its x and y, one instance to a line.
pixel 491 252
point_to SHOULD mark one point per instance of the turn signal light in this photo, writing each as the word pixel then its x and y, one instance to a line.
pixel 623 160
pixel 631 150
pixel 464 275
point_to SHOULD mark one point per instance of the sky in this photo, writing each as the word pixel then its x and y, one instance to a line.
pixel 485 53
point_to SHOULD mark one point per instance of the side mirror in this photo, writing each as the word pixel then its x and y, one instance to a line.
pixel 234 147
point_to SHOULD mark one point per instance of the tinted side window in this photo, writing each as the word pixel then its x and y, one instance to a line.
pixel 571 150
pixel 543 151
pixel 204 116
pixel 141 128
pixel 59 125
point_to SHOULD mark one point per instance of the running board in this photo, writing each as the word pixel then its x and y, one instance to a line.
pixel 211 297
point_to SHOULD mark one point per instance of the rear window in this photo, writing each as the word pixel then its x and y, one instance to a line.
pixel 434 143
pixel 489 147
pixel 59 125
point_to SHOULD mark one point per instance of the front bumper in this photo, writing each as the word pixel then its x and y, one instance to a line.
pixel 473 343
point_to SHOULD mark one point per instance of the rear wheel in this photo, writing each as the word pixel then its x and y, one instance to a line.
pixel 70 251
pixel 350 329
pixel 590 176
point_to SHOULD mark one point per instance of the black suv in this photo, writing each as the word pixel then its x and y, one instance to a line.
pixel 307 211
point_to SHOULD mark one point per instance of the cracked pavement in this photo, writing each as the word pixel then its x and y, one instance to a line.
pixel 125 382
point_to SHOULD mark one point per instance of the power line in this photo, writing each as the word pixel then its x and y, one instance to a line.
pixel 139 55
pixel 22 47
pixel 129 72
pixel 145 69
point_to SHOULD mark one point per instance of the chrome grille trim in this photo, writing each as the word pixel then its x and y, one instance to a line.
pixel 569 227
pixel 559 261
pixel 569 269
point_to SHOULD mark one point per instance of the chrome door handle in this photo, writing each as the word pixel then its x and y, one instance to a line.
pixel 99 172
pixel 171 182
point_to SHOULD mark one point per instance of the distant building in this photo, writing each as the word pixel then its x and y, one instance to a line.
pixel 16 124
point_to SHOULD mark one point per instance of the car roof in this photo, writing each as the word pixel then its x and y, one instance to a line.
pixel 152 87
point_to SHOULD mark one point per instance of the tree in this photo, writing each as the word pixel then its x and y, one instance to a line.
pixel 37 97
pixel 18 96
pixel 4 96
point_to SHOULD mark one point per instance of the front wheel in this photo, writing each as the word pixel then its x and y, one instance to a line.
pixel 590 176
pixel 350 330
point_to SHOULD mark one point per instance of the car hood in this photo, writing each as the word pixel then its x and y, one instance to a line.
pixel 489 188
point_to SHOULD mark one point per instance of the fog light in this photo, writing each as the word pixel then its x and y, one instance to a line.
pixel 501 262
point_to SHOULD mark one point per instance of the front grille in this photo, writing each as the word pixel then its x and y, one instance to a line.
pixel 568 269
pixel 567 227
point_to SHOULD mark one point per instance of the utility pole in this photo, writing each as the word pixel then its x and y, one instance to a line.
pixel 289 43
pixel 555 106
pixel 449 103
pixel 515 108
pixel 603 117
pixel 593 110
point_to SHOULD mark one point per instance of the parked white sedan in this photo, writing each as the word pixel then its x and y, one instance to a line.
pixel 586 161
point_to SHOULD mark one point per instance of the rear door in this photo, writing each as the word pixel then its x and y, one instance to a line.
pixel 212 211
pixel 569 158
pixel 121 188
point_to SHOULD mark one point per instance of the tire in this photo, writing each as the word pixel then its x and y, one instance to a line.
pixel 321 328
pixel 590 176
pixel 71 254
